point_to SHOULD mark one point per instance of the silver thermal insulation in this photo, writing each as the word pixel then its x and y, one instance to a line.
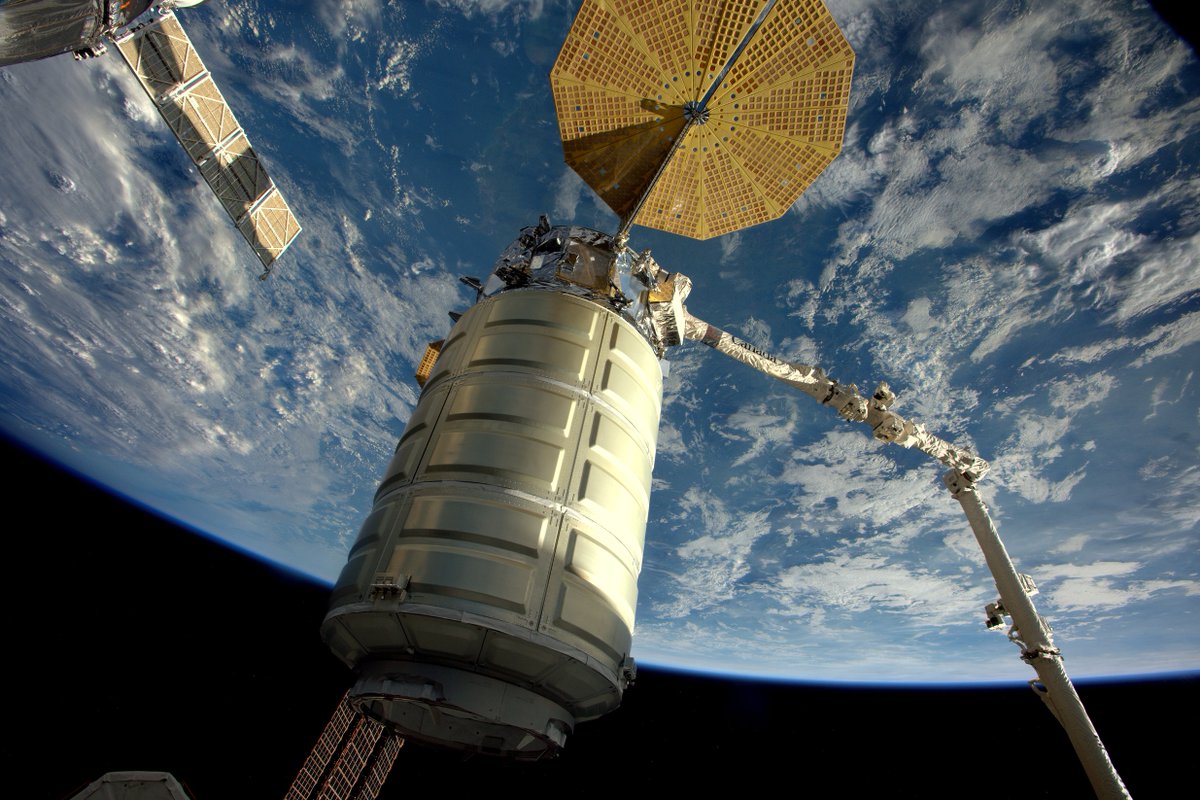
pixel 35 29
pixel 588 263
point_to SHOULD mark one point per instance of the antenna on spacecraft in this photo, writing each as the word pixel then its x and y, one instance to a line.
pixel 488 602
pixel 154 45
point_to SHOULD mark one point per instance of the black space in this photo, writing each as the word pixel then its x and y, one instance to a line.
pixel 1180 15
pixel 142 646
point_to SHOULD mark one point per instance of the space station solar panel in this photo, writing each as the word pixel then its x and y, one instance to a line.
pixel 269 227
pixel 162 56
pixel 166 64
pixel 772 81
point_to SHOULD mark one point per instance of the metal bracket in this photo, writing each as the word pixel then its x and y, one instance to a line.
pixel 389 587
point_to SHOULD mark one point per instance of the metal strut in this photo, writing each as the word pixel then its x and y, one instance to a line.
pixel 1032 633
pixel 1028 629
pixel 622 235
pixel 696 113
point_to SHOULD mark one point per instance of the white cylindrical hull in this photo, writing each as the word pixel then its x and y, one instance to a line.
pixel 489 600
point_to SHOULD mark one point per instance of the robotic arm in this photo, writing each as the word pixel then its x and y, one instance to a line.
pixel 845 399
pixel 673 324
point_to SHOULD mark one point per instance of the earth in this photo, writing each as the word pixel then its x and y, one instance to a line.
pixel 1010 238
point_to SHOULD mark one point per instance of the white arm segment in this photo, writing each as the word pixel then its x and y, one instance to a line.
pixel 1028 629
pixel 845 399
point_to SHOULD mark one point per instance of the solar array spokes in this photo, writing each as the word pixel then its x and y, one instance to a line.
pixel 701 117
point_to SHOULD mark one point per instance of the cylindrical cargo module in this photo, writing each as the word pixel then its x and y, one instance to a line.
pixel 488 603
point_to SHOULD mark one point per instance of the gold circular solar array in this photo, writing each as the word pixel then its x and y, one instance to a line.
pixel 627 69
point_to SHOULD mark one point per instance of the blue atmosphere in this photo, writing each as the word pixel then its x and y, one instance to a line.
pixel 1010 238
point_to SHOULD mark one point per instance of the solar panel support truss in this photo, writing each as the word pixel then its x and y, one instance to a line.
pixel 350 761
pixel 168 67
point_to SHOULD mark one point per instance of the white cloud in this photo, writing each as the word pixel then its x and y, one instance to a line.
pixel 1177 485
pixel 670 442
pixel 1092 352
pixel 711 564
pixel 570 190
pixel 847 484
pixel 758 426
pixel 1088 241
pixel 1120 109
pixel 730 244
pixel 757 332
pixel 1073 544
pixel 348 19
pixel 530 9
pixel 136 331
pixel 870 583
pixel 1170 338
pixel 1158 395
pixel 1108 265
pixel 955 163
pixel 1103 586
pixel 801 350
pixel 1023 462
pixel 917 317
pixel 1002 60
pixel 1070 394
pixel 1161 341
pixel 396 72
